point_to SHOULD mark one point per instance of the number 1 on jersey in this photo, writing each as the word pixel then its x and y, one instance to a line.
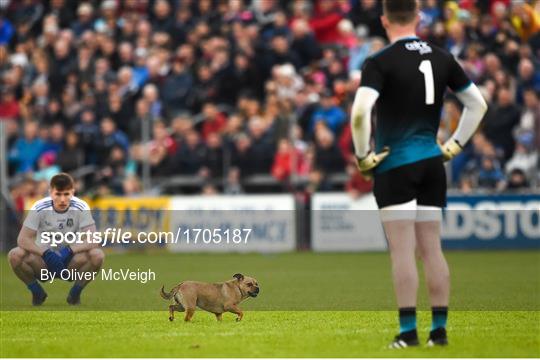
pixel 426 69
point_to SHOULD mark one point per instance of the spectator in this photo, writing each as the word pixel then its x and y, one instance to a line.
pixel 525 157
pixel 490 175
pixel 54 113
pixel 209 190
pixel 162 21
pixel 466 184
pixel 246 76
pixel 46 167
pixel 27 149
pixel 232 184
pixel 9 106
pixel 142 118
pixel 151 96
pixel 500 123
pixel 120 111
pixel 288 161
pixel 176 88
pixel 85 13
pixel 62 64
pixel 190 155
pixel 114 169
pixel 530 118
pixel 304 43
pixel 525 20
pixel 278 54
pixel 6 31
pixel 325 20
pixel 110 137
pixel 140 71
pixel 88 132
pixel 528 78
pixel 72 155
pixel 327 155
pixel 317 182
pixel 517 180
pixel 328 113
pixel 205 88
pixel 55 142
pixel 262 147
pixel 241 155
pixel 214 121
pixel 162 138
pixel 213 160
pixel 366 13
pixel 64 14
pixel 359 51
pixel 131 186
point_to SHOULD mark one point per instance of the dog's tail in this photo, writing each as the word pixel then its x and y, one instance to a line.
pixel 166 296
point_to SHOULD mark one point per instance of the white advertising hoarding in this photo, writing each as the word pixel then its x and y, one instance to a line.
pixel 342 223
pixel 221 223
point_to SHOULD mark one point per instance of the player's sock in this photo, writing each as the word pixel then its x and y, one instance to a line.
pixel 74 296
pixel 437 335
pixel 38 293
pixel 407 319
pixel 439 315
pixel 407 329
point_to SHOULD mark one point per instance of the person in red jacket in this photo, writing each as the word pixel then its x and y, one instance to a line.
pixel 214 121
pixel 9 106
pixel 286 159
pixel 325 20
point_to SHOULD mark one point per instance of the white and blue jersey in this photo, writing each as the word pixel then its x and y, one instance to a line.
pixel 42 217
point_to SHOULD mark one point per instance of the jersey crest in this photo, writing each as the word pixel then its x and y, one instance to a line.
pixel 420 46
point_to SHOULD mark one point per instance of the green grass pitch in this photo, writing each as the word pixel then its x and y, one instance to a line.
pixel 311 305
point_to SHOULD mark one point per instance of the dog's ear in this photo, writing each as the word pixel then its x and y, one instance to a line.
pixel 240 277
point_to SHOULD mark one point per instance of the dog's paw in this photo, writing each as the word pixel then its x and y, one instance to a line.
pixel 238 319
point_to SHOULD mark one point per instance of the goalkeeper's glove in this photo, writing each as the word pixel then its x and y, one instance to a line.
pixel 370 161
pixel 53 261
pixel 450 149
pixel 66 254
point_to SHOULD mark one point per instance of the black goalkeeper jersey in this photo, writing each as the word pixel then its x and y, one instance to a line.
pixel 411 77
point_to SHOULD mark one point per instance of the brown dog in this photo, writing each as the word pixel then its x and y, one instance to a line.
pixel 216 298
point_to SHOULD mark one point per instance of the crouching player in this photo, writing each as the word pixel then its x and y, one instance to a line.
pixel 61 212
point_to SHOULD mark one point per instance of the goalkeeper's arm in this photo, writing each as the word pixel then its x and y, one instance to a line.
pixel 473 111
pixel 361 119
pixel 361 129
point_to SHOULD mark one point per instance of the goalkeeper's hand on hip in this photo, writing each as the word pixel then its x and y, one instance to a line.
pixel 370 161
pixel 450 149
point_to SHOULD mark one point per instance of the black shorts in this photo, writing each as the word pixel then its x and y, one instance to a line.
pixel 424 180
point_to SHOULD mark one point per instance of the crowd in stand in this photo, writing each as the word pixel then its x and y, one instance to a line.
pixel 227 89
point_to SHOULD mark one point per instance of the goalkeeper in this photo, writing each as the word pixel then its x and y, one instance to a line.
pixel 408 80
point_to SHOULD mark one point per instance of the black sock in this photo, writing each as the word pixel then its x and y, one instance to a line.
pixel 407 319
pixel 439 315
